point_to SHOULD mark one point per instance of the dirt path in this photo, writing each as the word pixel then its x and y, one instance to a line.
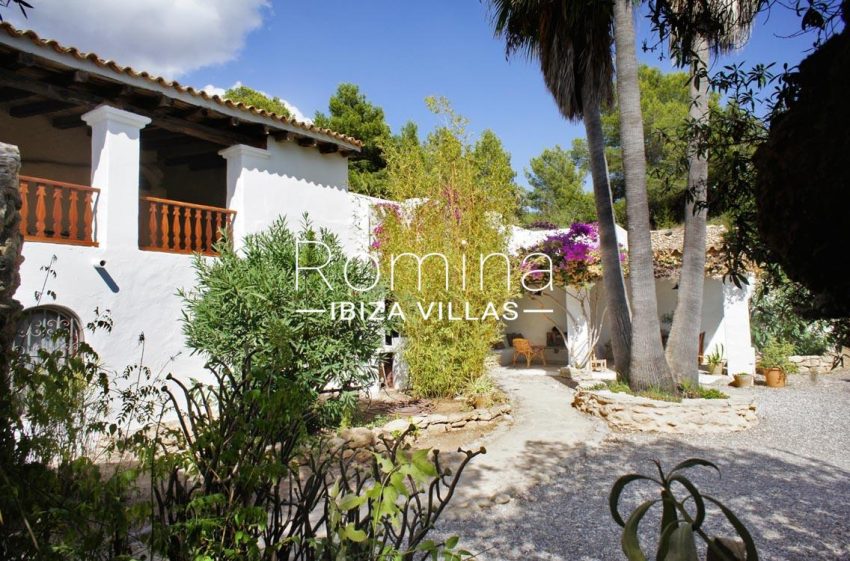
pixel 531 447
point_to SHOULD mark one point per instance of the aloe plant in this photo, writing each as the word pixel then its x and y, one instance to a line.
pixel 679 526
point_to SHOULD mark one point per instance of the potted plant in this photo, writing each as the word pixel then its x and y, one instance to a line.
pixel 715 361
pixel 743 380
pixel 774 360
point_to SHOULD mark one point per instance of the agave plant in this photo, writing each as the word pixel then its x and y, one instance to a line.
pixel 679 526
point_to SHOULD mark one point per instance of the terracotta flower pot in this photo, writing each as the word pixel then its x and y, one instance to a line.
pixel 743 380
pixel 774 377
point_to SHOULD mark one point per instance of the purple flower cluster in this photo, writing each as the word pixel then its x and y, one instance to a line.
pixel 574 255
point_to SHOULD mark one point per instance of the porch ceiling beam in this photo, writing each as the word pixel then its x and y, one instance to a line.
pixel 38 108
pixel 194 159
pixel 13 94
pixel 68 121
pixel 162 118
pixel 188 149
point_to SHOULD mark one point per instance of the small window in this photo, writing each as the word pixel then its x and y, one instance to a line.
pixel 48 328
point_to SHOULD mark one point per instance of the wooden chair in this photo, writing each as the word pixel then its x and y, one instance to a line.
pixel 522 347
pixel 597 364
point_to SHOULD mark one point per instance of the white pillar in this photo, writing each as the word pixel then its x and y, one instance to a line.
pixel 242 161
pixel 578 329
pixel 740 354
pixel 115 171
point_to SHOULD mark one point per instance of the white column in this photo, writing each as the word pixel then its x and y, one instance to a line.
pixel 115 171
pixel 740 354
pixel 242 161
pixel 578 330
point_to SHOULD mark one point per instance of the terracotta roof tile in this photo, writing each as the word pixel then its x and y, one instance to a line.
pixel 172 84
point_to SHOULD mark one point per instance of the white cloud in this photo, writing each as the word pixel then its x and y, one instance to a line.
pixel 165 37
pixel 293 110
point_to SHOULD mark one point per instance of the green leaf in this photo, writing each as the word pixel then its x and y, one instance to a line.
pixel 691 463
pixel 699 504
pixel 682 544
pixel 350 502
pixel 617 490
pixel 351 533
pixel 451 543
pixel 630 541
pixel 421 461
pixel 743 533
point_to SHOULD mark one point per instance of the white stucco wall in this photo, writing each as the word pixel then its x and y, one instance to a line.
pixel 288 180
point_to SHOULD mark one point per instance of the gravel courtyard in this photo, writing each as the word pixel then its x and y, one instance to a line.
pixel 788 479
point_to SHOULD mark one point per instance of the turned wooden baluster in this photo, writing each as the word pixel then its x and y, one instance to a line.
pixel 209 231
pixel 57 211
pixel 40 211
pixel 73 215
pixel 153 224
pixel 25 207
pixel 164 213
pixel 217 226
pixel 176 227
pixel 187 229
pixel 199 245
pixel 229 220
pixel 88 216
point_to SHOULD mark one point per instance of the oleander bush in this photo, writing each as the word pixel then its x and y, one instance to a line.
pixel 246 306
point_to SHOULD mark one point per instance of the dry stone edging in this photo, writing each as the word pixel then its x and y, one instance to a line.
pixel 361 437
pixel 629 413
pixel 815 363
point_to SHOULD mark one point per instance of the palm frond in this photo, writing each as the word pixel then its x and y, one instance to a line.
pixel 572 41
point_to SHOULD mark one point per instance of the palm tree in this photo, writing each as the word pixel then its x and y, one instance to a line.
pixel 648 365
pixel 697 27
pixel 572 41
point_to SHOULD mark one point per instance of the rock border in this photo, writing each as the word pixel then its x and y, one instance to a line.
pixel 360 437
pixel 629 413
pixel 815 363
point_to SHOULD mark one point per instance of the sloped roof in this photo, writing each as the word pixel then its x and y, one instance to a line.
pixel 673 239
pixel 667 250
pixel 72 54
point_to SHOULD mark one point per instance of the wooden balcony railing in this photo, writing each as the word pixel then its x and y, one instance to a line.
pixel 57 212
pixel 177 227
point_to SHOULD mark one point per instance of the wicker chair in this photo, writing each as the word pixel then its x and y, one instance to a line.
pixel 522 347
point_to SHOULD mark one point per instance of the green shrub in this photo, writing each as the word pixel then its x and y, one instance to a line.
pixel 775 355
pixel 236 479
pixel 460 211
pixel 774 315
pixel 698 392
pixel 58 499
pixel 246 307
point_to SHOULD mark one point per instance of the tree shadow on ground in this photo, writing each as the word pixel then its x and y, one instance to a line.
pixel 795 507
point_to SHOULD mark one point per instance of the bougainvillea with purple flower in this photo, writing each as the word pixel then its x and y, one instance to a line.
pixel 574 254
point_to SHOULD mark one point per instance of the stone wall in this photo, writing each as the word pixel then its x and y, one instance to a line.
pixel 814 363
pixel 630 413
pixel 359 437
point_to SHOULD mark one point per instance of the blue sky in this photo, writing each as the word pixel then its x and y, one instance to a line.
pixel 401 52
pixel 397 52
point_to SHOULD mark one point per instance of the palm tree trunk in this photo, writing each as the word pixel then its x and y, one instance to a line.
pixel 612 271
pixel 10 262
pixel 648 366
pixel 683 345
